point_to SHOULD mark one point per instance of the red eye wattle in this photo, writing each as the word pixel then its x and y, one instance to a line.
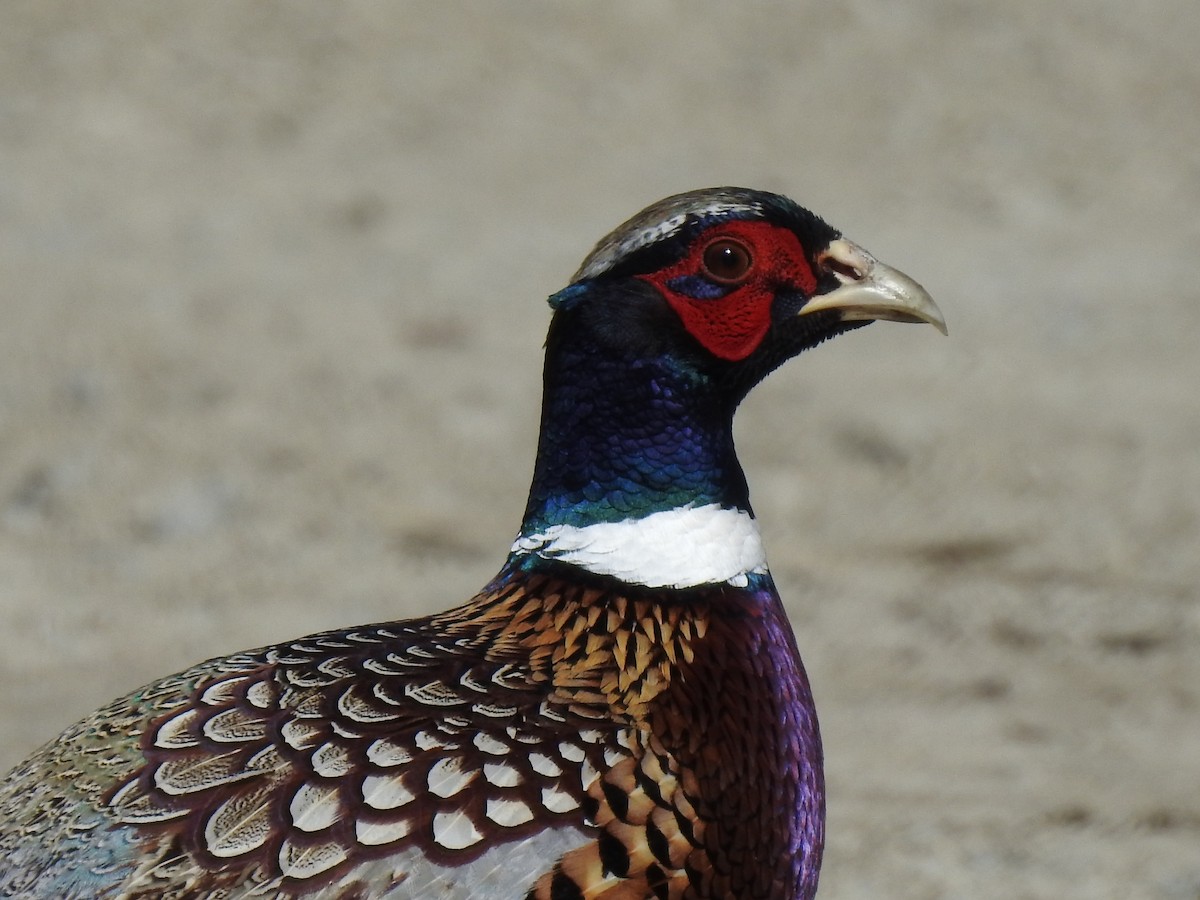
pixel 727 261
pixel 724 288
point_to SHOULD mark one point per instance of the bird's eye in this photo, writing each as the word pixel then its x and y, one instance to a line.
pixel 727 261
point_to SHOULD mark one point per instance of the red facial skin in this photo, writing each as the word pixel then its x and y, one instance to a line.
pixel 732 326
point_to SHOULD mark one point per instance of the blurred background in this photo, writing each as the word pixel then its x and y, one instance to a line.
pixel 271 310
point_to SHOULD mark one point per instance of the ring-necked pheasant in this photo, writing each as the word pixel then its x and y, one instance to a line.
pixel 621 713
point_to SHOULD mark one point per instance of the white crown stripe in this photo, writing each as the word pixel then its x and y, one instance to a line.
pixel 678 548
pixel 625 241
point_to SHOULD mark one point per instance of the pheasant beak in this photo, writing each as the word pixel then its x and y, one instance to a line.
pixel 870 290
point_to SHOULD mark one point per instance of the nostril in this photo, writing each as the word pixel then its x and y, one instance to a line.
pixel 840 269
pixel 846 262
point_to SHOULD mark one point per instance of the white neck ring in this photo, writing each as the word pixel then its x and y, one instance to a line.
pixel 676 548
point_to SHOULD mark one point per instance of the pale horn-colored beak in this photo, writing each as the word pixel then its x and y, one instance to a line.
pixel 871 290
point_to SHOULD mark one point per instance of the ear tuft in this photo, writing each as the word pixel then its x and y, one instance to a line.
pixel 567 297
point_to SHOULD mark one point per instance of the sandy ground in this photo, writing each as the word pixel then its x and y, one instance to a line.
pixel 271 279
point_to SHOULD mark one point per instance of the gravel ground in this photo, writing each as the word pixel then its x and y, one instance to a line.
pixel 272 277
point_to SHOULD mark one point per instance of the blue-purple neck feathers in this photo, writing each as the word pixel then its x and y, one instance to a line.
pixel 624 436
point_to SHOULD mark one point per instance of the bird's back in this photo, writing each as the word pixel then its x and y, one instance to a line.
pixel 554 733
